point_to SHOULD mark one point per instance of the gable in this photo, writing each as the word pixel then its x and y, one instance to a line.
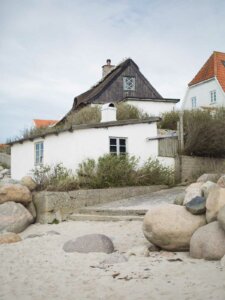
pixel 110 88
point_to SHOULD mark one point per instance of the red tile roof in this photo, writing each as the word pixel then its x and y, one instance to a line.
pixel 214 67
pixel 44 123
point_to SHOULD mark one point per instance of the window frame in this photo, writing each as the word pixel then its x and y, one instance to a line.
pixel 125 85
pixel 213 97
pixel 38 158
pixel 118 145
pixel 193 102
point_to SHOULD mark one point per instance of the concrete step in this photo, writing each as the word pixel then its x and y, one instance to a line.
pixel 93 217
pixel 111 212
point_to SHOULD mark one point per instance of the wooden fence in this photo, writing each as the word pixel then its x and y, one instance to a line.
pixel 168 146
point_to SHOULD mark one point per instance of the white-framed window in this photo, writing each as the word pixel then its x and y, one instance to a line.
pixel 118 145
pixel 213 96
pixel 38 153
pixel 193 102
pixel 129 83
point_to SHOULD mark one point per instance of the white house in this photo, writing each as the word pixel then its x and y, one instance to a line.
pixel 207 88
pixel 70 147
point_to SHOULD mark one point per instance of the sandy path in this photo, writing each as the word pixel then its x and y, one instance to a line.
pixel 37 268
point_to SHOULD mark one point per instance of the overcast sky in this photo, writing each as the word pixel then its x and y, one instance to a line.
pixel 53 50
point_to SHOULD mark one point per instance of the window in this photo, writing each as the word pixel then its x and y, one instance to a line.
pixel 39 152
pixel 128 83
pixel 193 102
pixel 117 145
pixel 213 96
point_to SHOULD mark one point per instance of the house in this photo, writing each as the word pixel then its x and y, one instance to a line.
pixel 79 142
pixel 38 123
pixel 207 89
pixel 126 83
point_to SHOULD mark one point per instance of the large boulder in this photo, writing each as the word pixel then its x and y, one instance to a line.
pixel 221 217
pixel 15 193
pixel 207 187
pixel 171 226
pixel 8 238
pixel 221 181
pixel 192 191
pixel 214 202
pixel 29 182
pixel 208 177
pixel 14 217
pixel 208 242
pixel 90 243
pixel 196 206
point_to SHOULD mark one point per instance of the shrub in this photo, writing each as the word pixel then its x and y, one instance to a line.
pixel 129 112
pixel 153 172
pixel 54 178
pixel 169 120
pixel 86 115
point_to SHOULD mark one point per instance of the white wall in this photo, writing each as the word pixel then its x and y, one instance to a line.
pixel 153 108
pixel 202 93
pixel 71 148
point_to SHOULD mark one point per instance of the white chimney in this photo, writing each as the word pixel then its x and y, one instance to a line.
pixel 106 69
pixel 108 112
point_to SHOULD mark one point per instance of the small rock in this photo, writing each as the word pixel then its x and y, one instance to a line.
pixel 214 202
pixel 14 217
pixel 207 187
pixel 209 177
pixel 192 191
pixel 10 237
pixel 15 193
pixel 90 243
pixel 208 242
pixel 179 200
pixel 139 251
pixel 221 217
pixel 114 258
pixel 196 206
pixel 28 182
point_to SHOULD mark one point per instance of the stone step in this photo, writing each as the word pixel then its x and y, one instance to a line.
pixel 92 217
pixel 111 212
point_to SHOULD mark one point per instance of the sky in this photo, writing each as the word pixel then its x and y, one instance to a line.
pixel 53 50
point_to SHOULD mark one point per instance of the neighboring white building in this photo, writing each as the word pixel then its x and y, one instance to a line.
pixel 71 147
pixel 207 89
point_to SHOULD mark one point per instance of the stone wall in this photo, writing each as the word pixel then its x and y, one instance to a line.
pixel 5 159
pixel 51 206
pixel 192 167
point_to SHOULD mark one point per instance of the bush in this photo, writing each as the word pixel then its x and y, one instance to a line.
pixel 204 133
pixel 129 112
pixel 54 178
pixel 169 120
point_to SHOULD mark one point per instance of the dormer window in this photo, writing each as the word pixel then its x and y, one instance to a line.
pixel 213 96
pixel 129 83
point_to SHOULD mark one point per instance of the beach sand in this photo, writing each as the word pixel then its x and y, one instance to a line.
pixel 37 268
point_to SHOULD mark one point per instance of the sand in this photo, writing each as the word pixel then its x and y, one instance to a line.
pixel 37 268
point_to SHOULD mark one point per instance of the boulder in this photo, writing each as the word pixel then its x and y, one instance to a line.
pixel 196 206
pixel 192 191
pixel 90 243
pixel 221 181
pixel 31 208
pixel 15 193
pixel 7 238
pixel 209 177
pixel 214 202
pixel 179 200
pixel 14 217
pixel 221 217
pixel 206 188
pixel 170 226
pixel 208 242
pixel 29 182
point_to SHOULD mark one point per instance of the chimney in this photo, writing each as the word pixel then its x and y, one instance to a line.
pixel 108 112
pixel 106 69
